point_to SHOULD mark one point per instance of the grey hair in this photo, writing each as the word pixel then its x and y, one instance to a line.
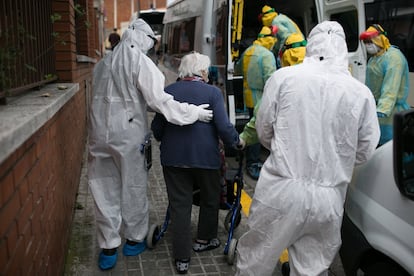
pixel 193 64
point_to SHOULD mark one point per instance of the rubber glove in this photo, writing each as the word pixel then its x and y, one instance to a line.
pixel 381 115
pixel 205 115
pixel 241 145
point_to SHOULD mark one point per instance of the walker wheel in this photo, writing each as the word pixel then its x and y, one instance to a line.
pixel 227 220
pixel 232 251
pixel 153 232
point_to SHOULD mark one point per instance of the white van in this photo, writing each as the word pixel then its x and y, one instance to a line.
pixel 223 29
pixel 378 225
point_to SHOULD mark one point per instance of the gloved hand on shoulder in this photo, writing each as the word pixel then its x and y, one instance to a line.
pixel 381 115
pixel 241 145
pixel 205 115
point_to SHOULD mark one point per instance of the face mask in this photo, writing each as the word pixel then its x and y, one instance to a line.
pixel 372 49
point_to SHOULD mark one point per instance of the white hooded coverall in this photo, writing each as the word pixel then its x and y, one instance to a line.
pixel 318 122
pixel 124 83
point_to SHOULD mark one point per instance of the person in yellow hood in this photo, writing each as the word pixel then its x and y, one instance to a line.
pixel 256 64
pixel 293 50
pixel 286 27
pixel 292 53
pixel 387 77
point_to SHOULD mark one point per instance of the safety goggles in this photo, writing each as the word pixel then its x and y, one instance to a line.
pixel 367 36
pixel 154 39
pixel 302 43
pixel 285 47
pixel 260 16
pixel 367 41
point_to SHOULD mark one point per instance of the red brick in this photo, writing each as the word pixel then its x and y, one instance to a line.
pixel 4 256
pixel 8 214
pixel 36 218
pixel 21 169
pixel 23 219
pixel 27 238
pixel 24 165
pixel 61 6
pixel 41 145
pixel 24 190
pixel 12 237
pixel 15 262
pixel 8 164
pixel 6 188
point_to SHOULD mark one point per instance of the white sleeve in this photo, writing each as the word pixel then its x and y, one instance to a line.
pixel 368 133
pixel 150 81
pixel 266 115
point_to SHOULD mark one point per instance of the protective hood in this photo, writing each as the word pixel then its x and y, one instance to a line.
pixel 140 34
pixel 267 15
pixel 326 43
pixel 294 50
pixel 266 37
pixel 377 35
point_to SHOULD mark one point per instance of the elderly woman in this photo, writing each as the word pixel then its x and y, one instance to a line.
pixel 190 156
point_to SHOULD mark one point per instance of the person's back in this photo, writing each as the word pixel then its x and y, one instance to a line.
pixel 257 64
pixel 330 111
pixel 318 122
pixel 190 158
pixel 197 143
pixel 113 84
pixel 256 72
pixel 286 26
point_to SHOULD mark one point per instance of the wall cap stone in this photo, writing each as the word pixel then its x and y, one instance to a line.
pixel 24 115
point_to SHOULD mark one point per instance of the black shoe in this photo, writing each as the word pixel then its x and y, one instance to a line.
pixel 285 269
pixel 211 244
pixel 253 170
pixel 182 265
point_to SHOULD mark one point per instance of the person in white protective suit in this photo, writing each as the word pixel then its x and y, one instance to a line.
pixel 124 83
pixel 318 122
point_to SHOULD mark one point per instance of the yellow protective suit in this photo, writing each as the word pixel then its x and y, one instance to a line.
pixel 387 76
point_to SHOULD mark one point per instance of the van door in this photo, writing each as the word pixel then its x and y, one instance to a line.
pixel 237 25
pixel 351 15
pixel 234 84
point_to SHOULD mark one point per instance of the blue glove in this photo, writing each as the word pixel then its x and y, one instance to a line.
pixel 381 115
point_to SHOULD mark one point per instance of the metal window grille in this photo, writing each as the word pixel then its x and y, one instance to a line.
pixel 27 51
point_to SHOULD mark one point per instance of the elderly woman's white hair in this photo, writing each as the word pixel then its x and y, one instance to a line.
pixel 194 64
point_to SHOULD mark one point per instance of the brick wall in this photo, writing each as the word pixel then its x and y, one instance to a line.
pixel 124 10
pixel 38 189
pixel 39 181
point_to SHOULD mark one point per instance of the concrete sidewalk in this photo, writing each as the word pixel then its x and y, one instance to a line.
pixel 83 253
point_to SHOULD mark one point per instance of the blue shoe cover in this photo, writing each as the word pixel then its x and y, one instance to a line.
pixel 254 170
pixel 107 261
pixel 133 250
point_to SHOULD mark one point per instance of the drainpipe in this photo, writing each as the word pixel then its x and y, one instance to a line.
pixel 115 14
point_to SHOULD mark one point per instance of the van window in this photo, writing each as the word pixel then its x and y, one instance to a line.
pixel 221 32
pixel 397 19
pixel 349 22
pixel 184 30
pixel 176 48
pixel 218 68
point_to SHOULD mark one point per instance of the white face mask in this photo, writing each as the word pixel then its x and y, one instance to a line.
pixel 372 49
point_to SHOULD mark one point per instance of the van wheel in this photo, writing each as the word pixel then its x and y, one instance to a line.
pixel 382 269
